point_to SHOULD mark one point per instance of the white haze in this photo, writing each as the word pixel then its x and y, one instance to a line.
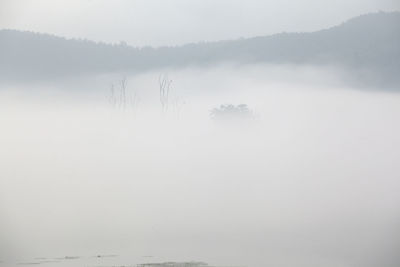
pixel 313 181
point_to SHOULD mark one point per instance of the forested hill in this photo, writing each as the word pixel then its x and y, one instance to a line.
pixel 369 41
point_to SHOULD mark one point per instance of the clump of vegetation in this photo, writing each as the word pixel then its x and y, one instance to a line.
pixel 232 112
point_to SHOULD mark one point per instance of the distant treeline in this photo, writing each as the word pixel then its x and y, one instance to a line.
pixel 370 42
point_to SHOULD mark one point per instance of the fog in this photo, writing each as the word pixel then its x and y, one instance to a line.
pixel 310 180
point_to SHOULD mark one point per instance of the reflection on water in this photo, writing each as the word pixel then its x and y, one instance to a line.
pixel 99 261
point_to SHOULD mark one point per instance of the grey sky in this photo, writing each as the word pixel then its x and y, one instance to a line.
pixel 170 22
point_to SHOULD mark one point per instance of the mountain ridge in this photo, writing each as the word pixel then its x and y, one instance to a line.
pixel 370 41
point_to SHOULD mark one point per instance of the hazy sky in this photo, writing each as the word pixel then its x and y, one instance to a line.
pixel 169 22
